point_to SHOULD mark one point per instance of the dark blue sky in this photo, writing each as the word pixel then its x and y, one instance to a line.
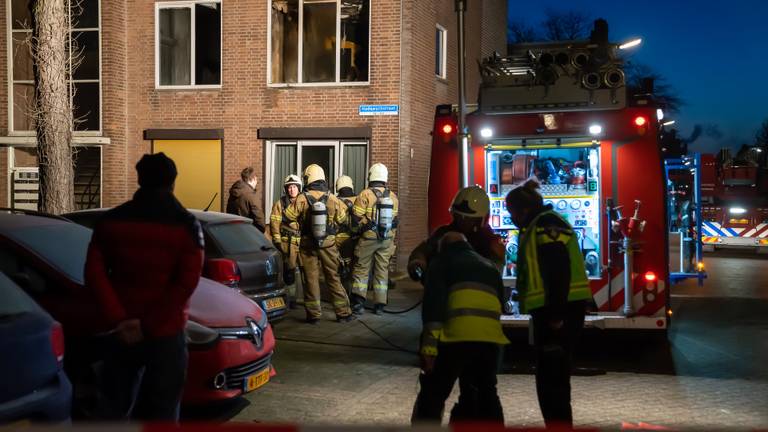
pixel 714 53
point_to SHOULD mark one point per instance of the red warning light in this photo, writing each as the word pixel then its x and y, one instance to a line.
pixel 447 128
pixel 640 121
pixel 650 276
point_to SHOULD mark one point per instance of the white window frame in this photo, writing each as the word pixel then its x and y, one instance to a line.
pixel 300 50
pixel 338 169
pixel 443 48
pixel 188 5
pixel 9 73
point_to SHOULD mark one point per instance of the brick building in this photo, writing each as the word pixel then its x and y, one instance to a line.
pixel 223 84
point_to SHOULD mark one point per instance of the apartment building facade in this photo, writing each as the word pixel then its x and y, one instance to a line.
pixel 223 84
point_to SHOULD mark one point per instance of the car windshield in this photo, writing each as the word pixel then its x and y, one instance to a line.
pixel 62 245
pixel 238 238
pixel 13 301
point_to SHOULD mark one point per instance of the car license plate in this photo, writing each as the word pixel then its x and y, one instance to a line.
pixel 256 380
pixel 274 303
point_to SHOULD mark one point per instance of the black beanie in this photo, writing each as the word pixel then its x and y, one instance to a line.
pixel 156 171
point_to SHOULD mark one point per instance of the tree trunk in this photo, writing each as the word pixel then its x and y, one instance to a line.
pixel 53 111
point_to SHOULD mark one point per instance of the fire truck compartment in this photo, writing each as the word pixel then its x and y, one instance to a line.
pixel 570 182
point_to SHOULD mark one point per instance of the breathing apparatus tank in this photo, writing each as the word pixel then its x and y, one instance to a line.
pixel 319 221
pixel 384 209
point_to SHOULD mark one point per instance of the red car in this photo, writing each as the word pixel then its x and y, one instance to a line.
pixel 229 337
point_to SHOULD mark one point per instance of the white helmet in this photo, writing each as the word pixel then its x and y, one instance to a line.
pixel 313 173
pixel 471 202
pixel 292 179
pixel 344 182
pixel 378 172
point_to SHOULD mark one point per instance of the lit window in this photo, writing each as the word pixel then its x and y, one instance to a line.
pixel 441 45
pixel 319 41
pixel 188 39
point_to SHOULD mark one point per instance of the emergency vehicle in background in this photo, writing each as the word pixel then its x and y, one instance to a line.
pixel 735 200
pixel 560 112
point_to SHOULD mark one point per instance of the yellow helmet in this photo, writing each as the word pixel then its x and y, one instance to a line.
pixel 292 179
pixel 471 202
pixel 343 182
pixel 378 172
pixel 313 173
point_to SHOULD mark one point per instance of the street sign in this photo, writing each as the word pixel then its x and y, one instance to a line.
pixel 372 110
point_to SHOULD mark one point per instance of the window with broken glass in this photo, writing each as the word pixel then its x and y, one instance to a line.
pixel 319 41
pixel 85 64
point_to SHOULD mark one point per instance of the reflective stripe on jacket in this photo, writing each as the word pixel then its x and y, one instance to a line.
pixel 530 284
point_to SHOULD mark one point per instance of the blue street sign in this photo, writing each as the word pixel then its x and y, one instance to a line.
pixel 379 110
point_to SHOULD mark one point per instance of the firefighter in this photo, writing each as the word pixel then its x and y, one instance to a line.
pixel 469 211
pixel 286 235
pixel 462 335
pixel 375 216
pixel 346 238
pixel 553 287
pixel 318 215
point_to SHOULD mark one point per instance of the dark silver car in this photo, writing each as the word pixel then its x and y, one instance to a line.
pixel 236 254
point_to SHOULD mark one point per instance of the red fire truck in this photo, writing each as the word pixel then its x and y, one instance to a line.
pixel 735 200
pixel 559 112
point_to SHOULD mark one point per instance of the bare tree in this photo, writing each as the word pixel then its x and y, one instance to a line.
pixel 566 25
pixel 53 110
pixel 663 92
pixel 521 32
pixel 761 137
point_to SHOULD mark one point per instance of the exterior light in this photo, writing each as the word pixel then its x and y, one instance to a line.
pixel 447 129
pixel 630 44
pixel 737 210
pixel 758 149
pixel 595 129
pixel 486 132
pixel 668 123
pixel 700 266
pixel 640 121
pixel 650 276
pixel 659 114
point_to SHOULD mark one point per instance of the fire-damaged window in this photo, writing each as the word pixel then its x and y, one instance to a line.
pixel 188 44
pixel 319 41
pixel 85 61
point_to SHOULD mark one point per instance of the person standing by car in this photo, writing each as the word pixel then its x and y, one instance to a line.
pixel 144 262
pixel 375 216
pixel 286 234
pixel 319 214
pixel 346 238
pixel 243 199
pixel 462 335
pixel 553 287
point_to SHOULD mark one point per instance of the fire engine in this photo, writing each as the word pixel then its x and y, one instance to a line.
pixel 735 200
pixel 560 112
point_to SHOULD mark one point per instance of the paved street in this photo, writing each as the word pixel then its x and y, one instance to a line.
pixel 710 374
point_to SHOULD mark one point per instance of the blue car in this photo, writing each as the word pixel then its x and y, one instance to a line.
pixel 35 388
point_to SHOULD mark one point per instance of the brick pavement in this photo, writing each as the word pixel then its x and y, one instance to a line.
pixel 328 384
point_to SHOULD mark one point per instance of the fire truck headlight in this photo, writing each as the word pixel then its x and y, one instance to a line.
pixel 486 132
pixel 737 210
pixel 595 129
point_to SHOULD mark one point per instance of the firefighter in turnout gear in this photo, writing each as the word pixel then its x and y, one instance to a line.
pixel 346 238
pixel 469 211
pixel 553 287
pixel 285 233
pixel 319 214
pixel 462 334
pixel 375 216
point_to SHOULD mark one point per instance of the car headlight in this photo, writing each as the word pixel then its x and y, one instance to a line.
pixel 199 335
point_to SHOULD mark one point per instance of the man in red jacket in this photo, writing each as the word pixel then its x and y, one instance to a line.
pixel 144 262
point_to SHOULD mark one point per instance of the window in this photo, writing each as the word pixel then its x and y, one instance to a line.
pixel 441 44
pixel 319 41
pixel 188 44
pixel 85 85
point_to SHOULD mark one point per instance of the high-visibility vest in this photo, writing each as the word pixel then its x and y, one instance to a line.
pixel 473 314
pixel 530 285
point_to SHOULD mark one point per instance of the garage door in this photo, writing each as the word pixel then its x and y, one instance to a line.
pixel 199 166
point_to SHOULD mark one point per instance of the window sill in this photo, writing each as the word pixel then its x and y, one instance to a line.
pixel 442 80
pixel 189 88
pixel 31 140
pixel 319 85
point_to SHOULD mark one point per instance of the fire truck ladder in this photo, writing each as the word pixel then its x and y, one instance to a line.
pixel 692 164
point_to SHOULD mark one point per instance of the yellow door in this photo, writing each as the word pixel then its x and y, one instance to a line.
pixel 199 166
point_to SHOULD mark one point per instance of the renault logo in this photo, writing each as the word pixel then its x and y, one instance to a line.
pixel 255 332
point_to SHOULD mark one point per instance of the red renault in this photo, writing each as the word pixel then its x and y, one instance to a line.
pixel 229 337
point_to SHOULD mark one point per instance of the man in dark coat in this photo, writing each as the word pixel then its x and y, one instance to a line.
pixel 243 200
pixel 144 262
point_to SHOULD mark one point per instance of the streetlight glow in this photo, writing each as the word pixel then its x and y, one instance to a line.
pixel 630 44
